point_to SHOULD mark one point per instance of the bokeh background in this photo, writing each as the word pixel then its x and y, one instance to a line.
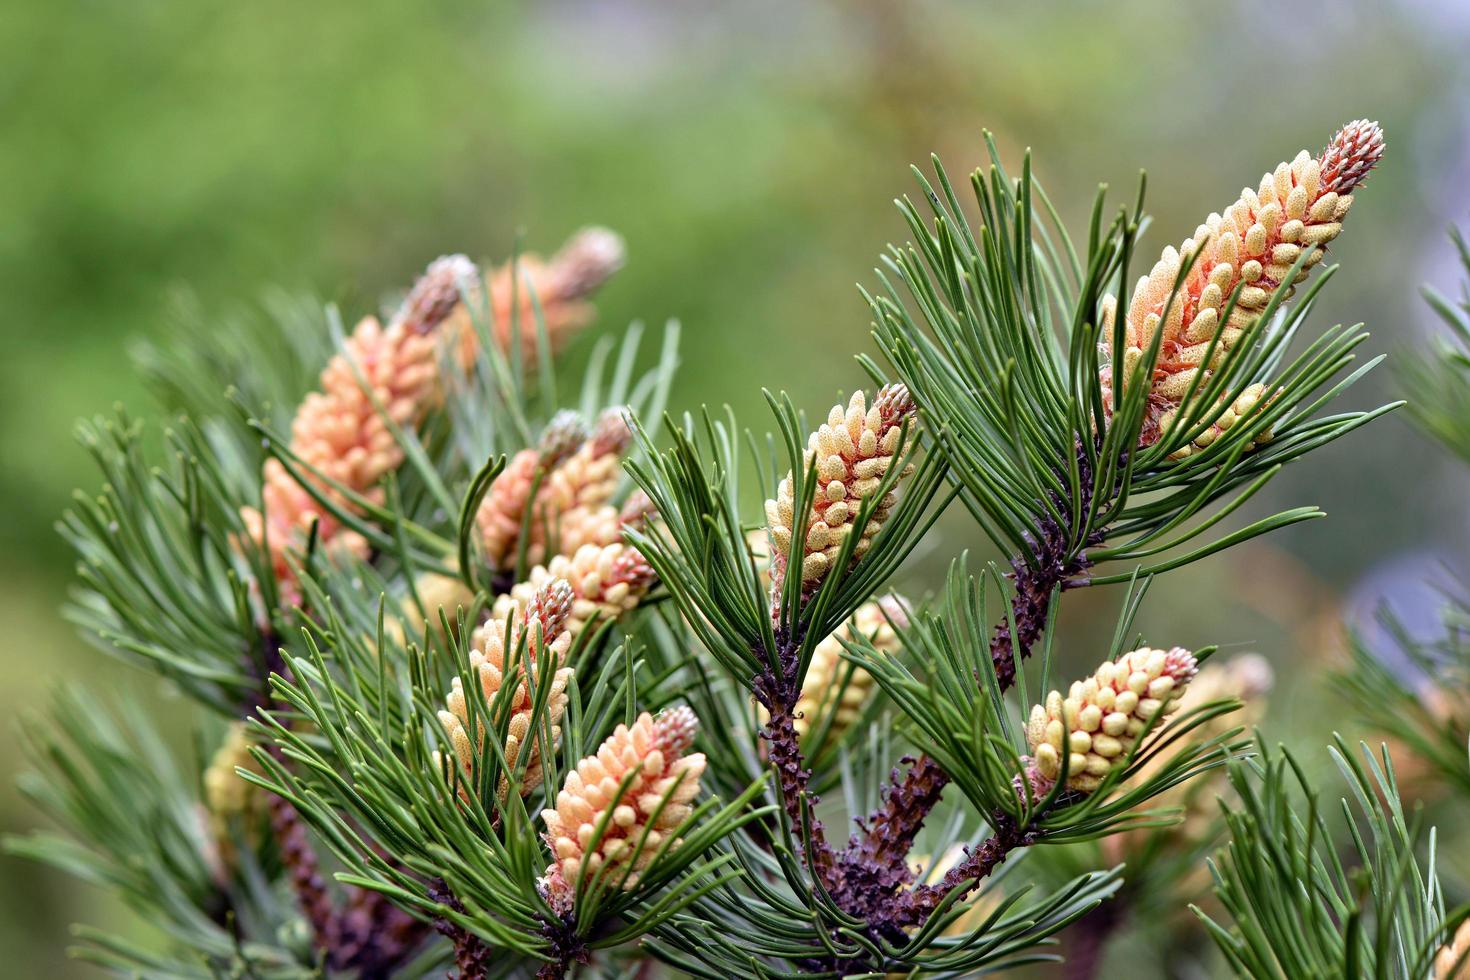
pixel 749 153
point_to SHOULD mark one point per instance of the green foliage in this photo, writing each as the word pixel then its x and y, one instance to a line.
pixel 1439 377
pixel 131 822
pixel 998 338
pixel 979 740
pixel 1421 705
pixel 375 778
pixel 1294 908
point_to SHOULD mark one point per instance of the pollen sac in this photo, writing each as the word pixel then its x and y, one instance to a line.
pixel 1096 725
pixel 507 661
pixel 852 453
pixel 644 777
pixel 1238 260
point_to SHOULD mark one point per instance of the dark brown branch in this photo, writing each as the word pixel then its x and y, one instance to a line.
pixel 917 905
pixel 305 873
pixel 471 956
pixel 566 946
pixel 785 756
pixel 312 896
pixel 873 865
pixel 876 860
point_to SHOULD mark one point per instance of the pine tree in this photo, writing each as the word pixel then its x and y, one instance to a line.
pixel 505 678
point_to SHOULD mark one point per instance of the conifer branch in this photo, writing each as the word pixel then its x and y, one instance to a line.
pixel 475 666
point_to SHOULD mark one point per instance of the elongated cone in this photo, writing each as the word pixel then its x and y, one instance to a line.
pixel 579 493
pixel 1452 962
pixel 502 513
pixel 340 430
pixel 1251 247
pixel 1101 718
pixel 1246 677
pixel 822 693
pixel 560 286
pixel 528 637
pixel 605 581
pixel 853 452
pixel 662 782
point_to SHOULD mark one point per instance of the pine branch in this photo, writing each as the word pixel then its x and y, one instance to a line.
pixel 882 851
pixel 793 776
pixel 471 956
pixel 874 864
pixel 1007 835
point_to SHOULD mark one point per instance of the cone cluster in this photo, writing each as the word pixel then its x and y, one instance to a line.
pixel 393 371
pixel 1100 720
pixel 572 476
pixel 518 645
pixel 1252 248
pixel 340 431
pixel 641 815
pixel 853 452
pixel 605 582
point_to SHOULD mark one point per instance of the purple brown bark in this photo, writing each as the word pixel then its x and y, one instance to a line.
pixel 874 863
pixel 920 903
pixel 785 756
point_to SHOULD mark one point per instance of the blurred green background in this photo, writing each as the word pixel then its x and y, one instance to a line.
pixel 749 153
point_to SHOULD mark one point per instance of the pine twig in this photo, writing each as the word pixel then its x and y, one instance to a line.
pixel 881 852
pixel 785 755
pixel 471 956
pixel 917 905
pixel 302 866
pixel 305 872
pixel 873 865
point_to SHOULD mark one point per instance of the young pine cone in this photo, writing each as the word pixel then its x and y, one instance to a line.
pixel 340 430
pixel 656 801
pixel 580 491
pixel 503 511
pixel 605 582
pixel 853 451
pixel 821 697
pixel 561 287
pixel 1253 245
pixel 528 636
pixel 1100 720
